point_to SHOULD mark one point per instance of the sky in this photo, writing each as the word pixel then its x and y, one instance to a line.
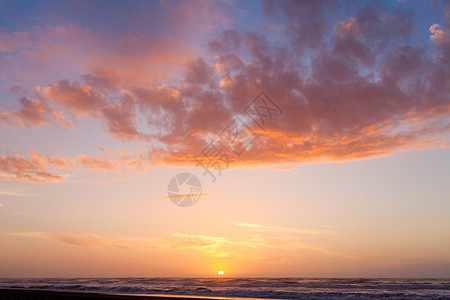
pixel 315 136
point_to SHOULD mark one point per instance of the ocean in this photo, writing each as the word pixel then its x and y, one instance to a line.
pixel 272 288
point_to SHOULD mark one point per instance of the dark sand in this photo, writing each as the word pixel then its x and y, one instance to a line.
pixel 18 294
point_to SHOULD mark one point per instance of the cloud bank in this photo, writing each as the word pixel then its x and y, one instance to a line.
pixel 348 88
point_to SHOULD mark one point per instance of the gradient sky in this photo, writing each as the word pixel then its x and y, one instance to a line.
pixel 102 103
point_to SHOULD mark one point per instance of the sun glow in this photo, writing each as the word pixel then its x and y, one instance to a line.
pixel 220 272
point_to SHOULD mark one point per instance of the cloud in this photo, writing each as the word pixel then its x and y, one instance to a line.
pixel 121 162
pixel 89 240
pixel 348 89
pixel 33 113
pixel 275 229
pixel 99 164
pixel 271 237
pixel 150 42
pixel 99 181
pixel 37 169
pixel 121 118
pixel 77 98
pixel 195 241
pixel 10 42
pixel 220 246
pixel 9 191
pixel 40 168
pixel 174 241
pixel 45 160
pixel 305 21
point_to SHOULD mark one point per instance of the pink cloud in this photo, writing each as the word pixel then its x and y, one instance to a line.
pixel 33 113
pixel 86 240
pixel 151 45
pixel 40 168
pixel 305 20
pixel 77 98
pixel 363 90
pixel 121 118
pixel 37 169
pixel 97 181
pixel 98 164
pixel 10 42
pixel 118 161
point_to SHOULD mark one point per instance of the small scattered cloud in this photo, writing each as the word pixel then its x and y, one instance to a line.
pixel 37 169
pixel 34 113
pixel 12 41
pixel 438 34
pixel 99 164
pixel 118 161
pixel 445 145
pixel 99 181
pixel 262 237
pixel 11 191
pixel 89 240
pixel 257 227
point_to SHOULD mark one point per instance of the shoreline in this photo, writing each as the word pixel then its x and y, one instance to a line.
pixel 43 294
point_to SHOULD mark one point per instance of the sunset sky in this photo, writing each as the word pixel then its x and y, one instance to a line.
pixel 345 172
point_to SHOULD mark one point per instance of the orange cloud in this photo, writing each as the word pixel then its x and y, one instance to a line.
pixel 55 162
pixel 41 168
pixel 78 98
pixel 10 42
pixel 33 113
pixel 121 161
pixel 89 240
pixel 99 164
pixel 365 91
pixel 438 35
pixel 97 181
pixel 288 240
pixel 153 43
pixel 121 118
pixel 278 229
pixel 37 170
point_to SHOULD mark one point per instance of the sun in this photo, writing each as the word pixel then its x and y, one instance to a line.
pixel 220 272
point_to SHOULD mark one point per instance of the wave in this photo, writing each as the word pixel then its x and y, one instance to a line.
pixel 274 288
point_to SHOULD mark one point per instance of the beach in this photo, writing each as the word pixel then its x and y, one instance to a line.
pixel 224 288
pixel 10 294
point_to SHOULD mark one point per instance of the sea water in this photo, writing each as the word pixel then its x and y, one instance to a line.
pixel 272 288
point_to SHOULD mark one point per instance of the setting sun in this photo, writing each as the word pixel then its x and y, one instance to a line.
pixel 220 272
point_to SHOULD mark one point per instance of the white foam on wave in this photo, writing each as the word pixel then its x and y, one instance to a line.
pixel 273 288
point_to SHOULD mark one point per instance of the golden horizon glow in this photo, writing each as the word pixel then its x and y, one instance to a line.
pixel 220 272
